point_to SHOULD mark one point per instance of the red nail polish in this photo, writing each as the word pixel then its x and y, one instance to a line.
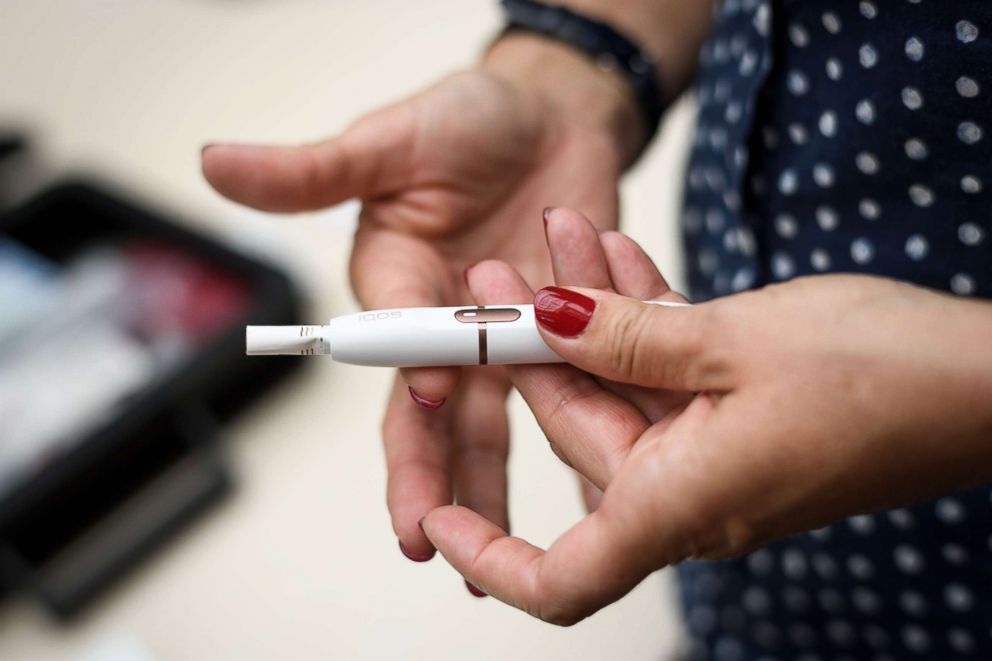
pixel 562 311
pixel 428 404
pixel 416 557
pixel 475 592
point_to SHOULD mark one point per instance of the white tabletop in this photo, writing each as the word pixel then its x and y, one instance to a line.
pixel 301 562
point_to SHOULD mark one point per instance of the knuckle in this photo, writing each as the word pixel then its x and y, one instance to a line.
pixel 714 533
pixel 718 320
pixel 643 351
pixel 715 519
pixel 559 616
pixel 706 332
pixel 705 352
pixel 732 537
pixel 312 178
pixel 552 604
pixel 625 342
pixel 566 399
pixel 739 536
pixel 482 453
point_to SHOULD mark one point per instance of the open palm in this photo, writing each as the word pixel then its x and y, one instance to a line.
pixel 453 175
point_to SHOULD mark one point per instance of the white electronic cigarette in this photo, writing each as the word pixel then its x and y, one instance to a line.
pixel 417 337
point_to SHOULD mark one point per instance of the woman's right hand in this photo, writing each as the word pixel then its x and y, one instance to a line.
pixel 751 417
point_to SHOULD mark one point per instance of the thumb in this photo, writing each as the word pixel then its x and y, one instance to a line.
pixel 362 162
pixel 625 340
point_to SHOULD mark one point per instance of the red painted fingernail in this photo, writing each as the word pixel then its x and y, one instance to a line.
pixel 416 557
pixel 562 311
pixel 425 403
pixel 475 592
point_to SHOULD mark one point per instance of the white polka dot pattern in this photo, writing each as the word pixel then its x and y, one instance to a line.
pixel 868 56
pixel 966 31
pixel 865 111
pixel 834 68
pixel 915 49
pixel 912 98
pixel 970 133
pixel 870 209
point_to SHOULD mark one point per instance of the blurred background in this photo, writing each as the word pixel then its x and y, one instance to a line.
pixel 161 496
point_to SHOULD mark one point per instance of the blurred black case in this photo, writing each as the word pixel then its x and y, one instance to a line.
pixel 133 483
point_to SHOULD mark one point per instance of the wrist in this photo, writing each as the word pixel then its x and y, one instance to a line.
pixel 948 408
pixel 975 322
pixel 573 87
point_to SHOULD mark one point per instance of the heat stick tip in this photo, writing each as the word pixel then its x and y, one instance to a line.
pixel 284 340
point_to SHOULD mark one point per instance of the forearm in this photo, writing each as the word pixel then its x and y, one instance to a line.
pixel 925 376
pixel 967 361
pixel 671 30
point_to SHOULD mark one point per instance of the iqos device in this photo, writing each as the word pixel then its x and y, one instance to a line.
pixel 417 337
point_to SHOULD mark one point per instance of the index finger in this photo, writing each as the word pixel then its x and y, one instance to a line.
pixel 593 564
pixel 418 464
pixel 589 428
pixel 394 269
pixel 632 271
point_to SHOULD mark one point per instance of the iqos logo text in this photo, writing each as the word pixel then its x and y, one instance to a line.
pixel 379 316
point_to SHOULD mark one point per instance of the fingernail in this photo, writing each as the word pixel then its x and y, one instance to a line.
pixel 562 311
pixel 467 270
pixel 416 557
pixel 420 523
pixel 425 403
pixel 546 214
pixel 475 592
pixel 207 146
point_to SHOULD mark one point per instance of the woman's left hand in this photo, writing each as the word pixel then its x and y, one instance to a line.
pixel 745 420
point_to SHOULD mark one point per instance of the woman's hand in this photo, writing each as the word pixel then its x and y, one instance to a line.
pixel 818 398
pixel 453 175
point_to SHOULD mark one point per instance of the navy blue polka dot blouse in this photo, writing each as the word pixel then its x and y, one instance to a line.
pixel 847 136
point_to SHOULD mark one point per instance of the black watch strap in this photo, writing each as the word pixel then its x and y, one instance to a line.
pixel 608 48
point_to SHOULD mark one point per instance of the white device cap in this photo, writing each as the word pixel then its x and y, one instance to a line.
pixel 284 340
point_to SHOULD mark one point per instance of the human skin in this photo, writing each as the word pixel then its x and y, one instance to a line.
pixel 456 174
pixel 747 419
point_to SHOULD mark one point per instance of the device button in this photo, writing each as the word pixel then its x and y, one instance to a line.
pixel 481 315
